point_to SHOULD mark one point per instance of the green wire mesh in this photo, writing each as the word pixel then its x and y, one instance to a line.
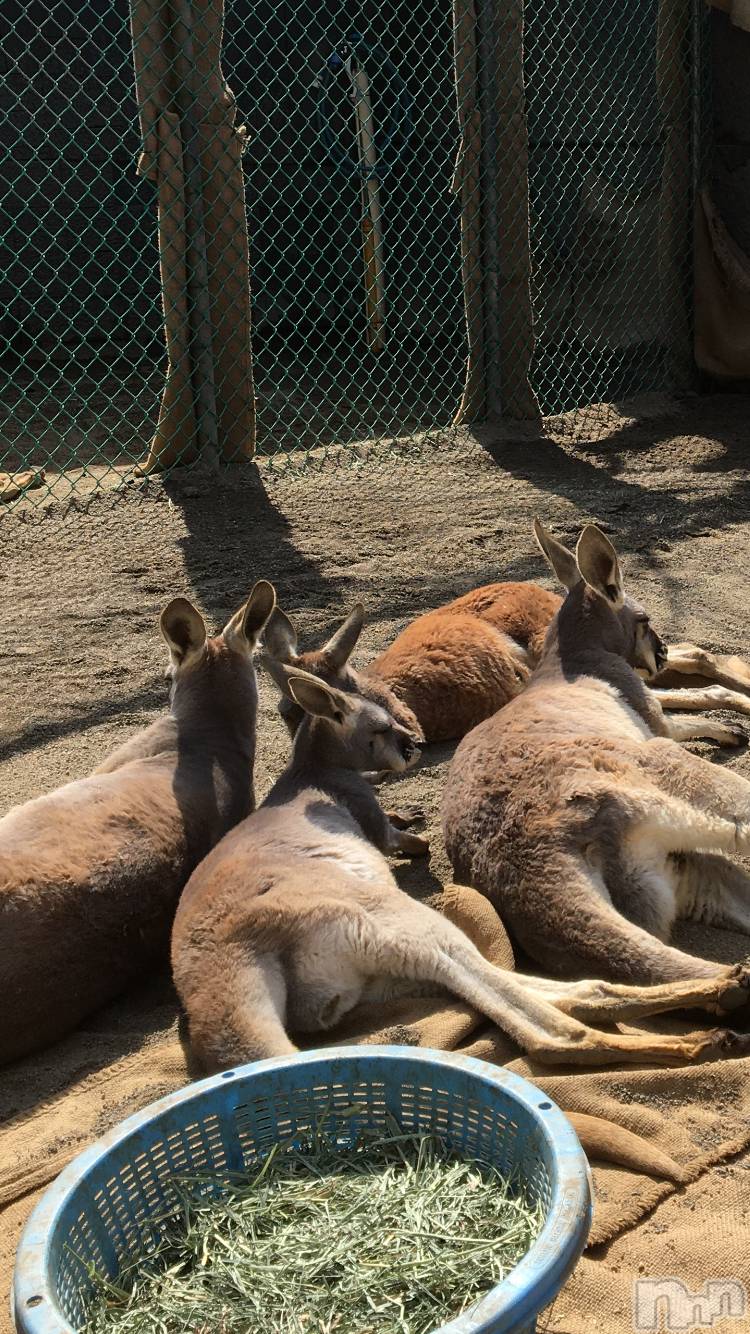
pixel 617 105
pixel 81 343
pixel 613 111
pixel 318 382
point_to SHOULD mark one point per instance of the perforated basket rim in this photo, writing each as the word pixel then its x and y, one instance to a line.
pixel 511 1304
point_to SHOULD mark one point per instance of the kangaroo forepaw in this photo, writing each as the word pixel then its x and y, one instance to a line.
pixel 407 817
pixel 411 845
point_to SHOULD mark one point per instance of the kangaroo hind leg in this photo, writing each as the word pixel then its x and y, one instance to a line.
pixel 609 1002
pixel 421 945
pixel 245 1021
pixel 581 931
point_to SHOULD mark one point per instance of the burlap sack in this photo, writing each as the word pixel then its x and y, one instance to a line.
pixel 53 1104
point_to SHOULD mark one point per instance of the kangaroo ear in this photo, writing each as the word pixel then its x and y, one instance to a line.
pixel 561 561
pixel 280 637
pixel 599 566
pixel 184 630
pixel 340 646
pixel 312 694
pixel 319 699
pixel 243 629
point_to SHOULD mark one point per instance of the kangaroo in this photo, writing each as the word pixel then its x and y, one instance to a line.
pixel 331 664
pixel 575 811
pixel 90 874
pixel 296 917
pixel 453 667
pixel 457 665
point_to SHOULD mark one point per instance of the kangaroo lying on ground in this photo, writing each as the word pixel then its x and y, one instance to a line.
pixel 460 663
pixel 90 875
pixel 457 665
pixel 295 918
pixel 453 667
pixel 576 813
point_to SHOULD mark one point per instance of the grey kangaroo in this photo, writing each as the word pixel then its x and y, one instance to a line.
pixel 575 810
pixel 90 875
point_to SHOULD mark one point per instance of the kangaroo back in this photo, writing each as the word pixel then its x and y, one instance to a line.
pixel 263 914
pixel 90 874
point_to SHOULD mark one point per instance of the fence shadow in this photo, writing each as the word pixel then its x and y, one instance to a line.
pixel 37 734
pixel 589 472
pixel 235 535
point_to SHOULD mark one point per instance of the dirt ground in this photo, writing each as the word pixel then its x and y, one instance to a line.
pixel 88 427
pixel 83 662
pixel 82 659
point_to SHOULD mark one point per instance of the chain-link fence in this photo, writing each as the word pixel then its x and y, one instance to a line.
pixel 410 270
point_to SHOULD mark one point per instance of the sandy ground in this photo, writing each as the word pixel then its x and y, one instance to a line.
pixel 83 662
pixel 82 659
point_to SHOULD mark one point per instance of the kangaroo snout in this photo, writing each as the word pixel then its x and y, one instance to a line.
pixel 651 655
pixel 409 748
pixel 661 654
pixel 396 750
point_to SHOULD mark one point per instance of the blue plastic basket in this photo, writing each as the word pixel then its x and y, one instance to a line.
pixel 97 1210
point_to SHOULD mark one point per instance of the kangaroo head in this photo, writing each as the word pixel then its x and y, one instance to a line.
pixel 223 664
pixel 341 728
pixel 614 621
pixel 331 664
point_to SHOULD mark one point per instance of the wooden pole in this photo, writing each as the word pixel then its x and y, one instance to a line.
pixel 372 222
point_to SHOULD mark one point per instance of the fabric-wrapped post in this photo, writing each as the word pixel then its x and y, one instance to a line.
pixel 192 149
pixel 491 180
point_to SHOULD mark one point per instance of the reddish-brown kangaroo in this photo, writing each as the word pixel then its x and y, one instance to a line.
pixel 90 875
pixel 457 665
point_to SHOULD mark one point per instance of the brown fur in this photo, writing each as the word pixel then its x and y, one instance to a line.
pixel 448 669
pixel 90 875
pixel 331 664
pixel 459 664
pixel 568 809
pixel 295 918
pixel 455 666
